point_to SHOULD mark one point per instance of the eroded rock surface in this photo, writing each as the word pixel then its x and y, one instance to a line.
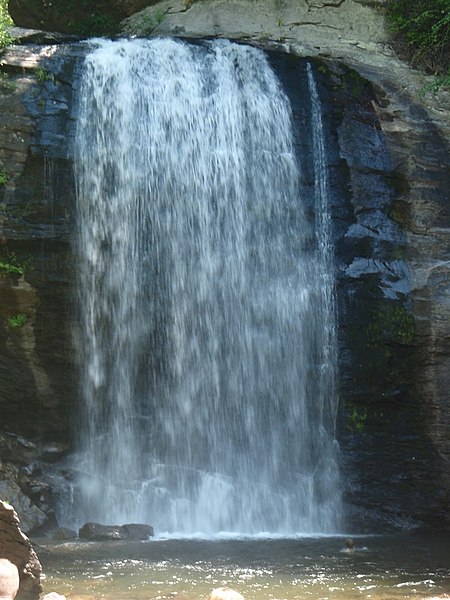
pixel 16 547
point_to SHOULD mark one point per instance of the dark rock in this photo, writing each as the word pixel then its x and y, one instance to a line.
pixel 95 532
pixel 100 533
pixel 31 516
pixel 16 449
pixel 137 531
pixel 54 452
pixel 67 16
pixel 63 534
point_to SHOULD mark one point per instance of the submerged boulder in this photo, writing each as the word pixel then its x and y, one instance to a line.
pixel 138 531
pixel 101 533
pixel 64 534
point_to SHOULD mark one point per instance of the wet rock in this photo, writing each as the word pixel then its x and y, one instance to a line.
pixel 34 212
pixel 137 531
pixel 23 483
pixel 15 546
pixel 54 452
pixel 16 449
pixel 95 532
pixel 31 517
pixel 64 534
pixel 100 533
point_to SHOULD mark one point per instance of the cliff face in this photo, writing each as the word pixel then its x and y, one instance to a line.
pixel 389 166
pixel 35 267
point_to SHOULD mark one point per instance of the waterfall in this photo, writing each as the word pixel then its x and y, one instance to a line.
pixel 206 336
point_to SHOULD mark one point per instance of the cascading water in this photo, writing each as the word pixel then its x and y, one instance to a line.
pixel 206 298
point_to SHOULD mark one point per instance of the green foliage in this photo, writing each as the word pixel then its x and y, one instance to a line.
pixel 356 418
pixel 5 24
pixel 95 23
pixel 442 81
pixel 42 75
pixel 146 23
pixel 10 265
pixel 3 175
pixel 391 325
pixel 84 17
pixel 17 320
pixel 422 28
pixel 6 85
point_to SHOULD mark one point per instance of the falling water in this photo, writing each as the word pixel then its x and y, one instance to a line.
pixel 205 293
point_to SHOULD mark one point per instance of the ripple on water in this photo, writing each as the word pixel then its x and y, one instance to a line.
pixel 393 568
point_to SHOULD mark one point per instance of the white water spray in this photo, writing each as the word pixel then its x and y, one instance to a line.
pixel 206 323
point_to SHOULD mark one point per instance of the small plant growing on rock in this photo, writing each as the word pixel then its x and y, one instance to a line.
pixel 10 265
pixel 6 85
pixel 42 75
pixel 357 418
pixel 144 24
pixel 17 321
pixel 5 24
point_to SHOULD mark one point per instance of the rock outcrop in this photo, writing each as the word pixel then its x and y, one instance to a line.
pixel 36 368
pixel 22 473
pixel 16 547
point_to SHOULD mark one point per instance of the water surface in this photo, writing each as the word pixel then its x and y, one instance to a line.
pixel 394 567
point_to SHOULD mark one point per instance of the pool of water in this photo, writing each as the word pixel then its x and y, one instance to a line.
pixel 385 567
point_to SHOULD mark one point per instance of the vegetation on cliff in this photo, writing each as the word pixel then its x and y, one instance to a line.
pixel 423 34
pixel 5 24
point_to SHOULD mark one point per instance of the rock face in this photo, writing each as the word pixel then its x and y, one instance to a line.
pixel 22 467
pixel 389 168
pixel 68 16
pixel 16 547
pixel 35 262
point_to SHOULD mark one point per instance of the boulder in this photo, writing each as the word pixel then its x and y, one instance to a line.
pixel 138 531
pixel 96 532
pixel 225 593
pixel 16 547
pixel 9 579
pixel 64 534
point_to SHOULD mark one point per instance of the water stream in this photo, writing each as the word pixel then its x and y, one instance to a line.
pixel 206 336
